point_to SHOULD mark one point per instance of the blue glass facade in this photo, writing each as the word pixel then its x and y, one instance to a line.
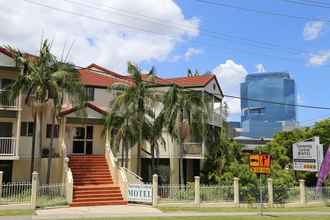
pixel 261 119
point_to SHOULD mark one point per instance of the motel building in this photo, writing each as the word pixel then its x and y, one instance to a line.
pixel 82 146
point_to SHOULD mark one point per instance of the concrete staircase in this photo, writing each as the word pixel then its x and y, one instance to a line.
pixel 93 184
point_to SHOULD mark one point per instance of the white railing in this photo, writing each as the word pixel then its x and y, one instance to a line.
pixel 5 102
pixel 176 193
pixel 192 149
pixel 216 193
pixel 15 193
pixel 215 119
pixel 118 174
pixel 7 146
pixel 132 178
pixel 51 195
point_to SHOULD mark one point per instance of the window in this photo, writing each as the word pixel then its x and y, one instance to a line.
pixel 90 93
pixel 49 131
pixel 27 129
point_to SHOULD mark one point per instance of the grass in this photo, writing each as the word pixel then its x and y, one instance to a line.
pixel 215 209
pixel 16 212
pixel 223 218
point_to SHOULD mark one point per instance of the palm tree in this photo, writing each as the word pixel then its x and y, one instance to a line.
pixel 185 113
pixel 138 99
pixel 44 80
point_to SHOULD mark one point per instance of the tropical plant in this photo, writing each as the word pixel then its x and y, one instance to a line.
pixel 138 99
pixel 185 112
pixel 45 82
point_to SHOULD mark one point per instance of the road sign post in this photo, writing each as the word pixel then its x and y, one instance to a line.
pixel 260 164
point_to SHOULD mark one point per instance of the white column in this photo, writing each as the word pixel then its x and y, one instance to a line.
pixel 270 192
pixel 302 192
pixel 18 124
pixel 34 191
pixel 197 191
pixel 1 182
pixel 236 191
pixel 155 190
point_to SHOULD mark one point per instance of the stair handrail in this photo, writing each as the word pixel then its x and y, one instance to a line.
pixel 118 175
pixel 135 178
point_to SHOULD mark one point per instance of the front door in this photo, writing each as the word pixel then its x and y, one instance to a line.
pixel 83 140
pixel 6 166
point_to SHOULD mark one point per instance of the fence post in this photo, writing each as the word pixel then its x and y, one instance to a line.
pixel 155 190
pixel 197 191
pixel 236 191
pixel 302 192
pixel 34 190
pixel 1 179
pixel 270 192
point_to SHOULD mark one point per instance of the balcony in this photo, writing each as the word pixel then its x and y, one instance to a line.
pixel 192 150
pixel 8 148
pixel 5 103
pixel 215 119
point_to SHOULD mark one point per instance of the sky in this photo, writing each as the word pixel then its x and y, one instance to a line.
pixel 176 35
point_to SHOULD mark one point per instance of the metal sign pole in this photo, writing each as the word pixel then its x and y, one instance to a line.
pixel 260 188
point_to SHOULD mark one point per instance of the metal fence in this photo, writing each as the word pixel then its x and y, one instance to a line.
pixel 15 193
pixel 314 194
pixel 176 193
pixel 216 193
pixel 51 195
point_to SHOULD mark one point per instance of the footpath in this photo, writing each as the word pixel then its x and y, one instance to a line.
pixel 131 211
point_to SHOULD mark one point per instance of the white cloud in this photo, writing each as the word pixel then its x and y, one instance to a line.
pixel 319 58
pixel 313 29
pixel 103 42
pixel 230 75
pixel 191 52
pixel 260 68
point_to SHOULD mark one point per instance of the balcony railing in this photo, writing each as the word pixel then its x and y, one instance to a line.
pixel 7 147
pixel 215 119
pixel 192 149
pixel 5 102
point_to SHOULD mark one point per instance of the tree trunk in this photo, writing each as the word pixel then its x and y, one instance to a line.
pixel 122 152
pixel 126 155
pixel 50 151
pixel 138 166
pixel 152 158
pixel 181 168
pixel 33 143
pixel 157 161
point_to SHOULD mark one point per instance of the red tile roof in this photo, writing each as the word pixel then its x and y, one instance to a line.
pixel 191 81
pixel 105 70
pixel 89 77
pixel 91 105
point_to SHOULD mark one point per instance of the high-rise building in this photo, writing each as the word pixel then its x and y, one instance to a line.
pixel 263 119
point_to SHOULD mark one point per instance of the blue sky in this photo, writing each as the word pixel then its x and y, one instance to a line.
pixel 104 38
pixel 312 81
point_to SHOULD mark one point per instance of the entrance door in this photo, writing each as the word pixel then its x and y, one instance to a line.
pixel 83 140
pixel 6 166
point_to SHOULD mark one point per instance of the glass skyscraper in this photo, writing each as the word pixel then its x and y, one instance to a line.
pixel 261 119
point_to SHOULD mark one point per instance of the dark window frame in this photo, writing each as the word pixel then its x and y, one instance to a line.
pixel 90 93
pixel 49 130
pixel 27 128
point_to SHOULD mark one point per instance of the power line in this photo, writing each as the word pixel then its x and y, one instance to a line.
pixel 257 11
pixel 127 26
pixel 206 32
pixel 277 103
pixel 308 3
